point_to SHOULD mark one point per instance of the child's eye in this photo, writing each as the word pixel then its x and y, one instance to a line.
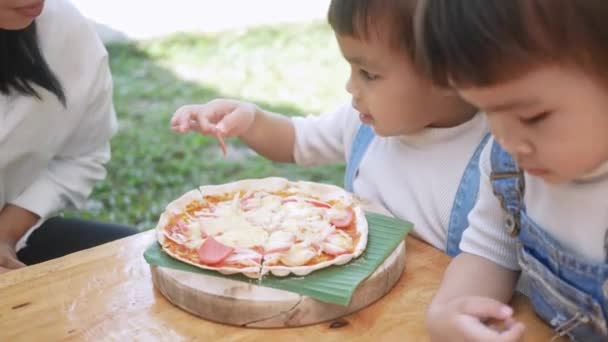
pixel 367 76
pixel 535 119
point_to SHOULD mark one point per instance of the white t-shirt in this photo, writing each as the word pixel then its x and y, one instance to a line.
pixel 575 214
pixel 51 156
pixel 415 177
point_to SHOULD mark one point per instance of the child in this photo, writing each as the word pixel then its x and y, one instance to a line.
pixel 408 146
pixel 537 68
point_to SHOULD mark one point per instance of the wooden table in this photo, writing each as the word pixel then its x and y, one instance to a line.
pixel 106 294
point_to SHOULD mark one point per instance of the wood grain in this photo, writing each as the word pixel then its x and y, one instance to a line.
pixel 106 294
pixel 218 299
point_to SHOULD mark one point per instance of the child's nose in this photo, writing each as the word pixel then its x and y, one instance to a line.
pixel 510 136
pixel 516 146
pixel 349 86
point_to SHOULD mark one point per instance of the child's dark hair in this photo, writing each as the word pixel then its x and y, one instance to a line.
pixel 363 19
pixel 482 42
pixel 22 65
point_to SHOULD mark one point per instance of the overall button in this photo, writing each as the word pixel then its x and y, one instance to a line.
pixel 512 224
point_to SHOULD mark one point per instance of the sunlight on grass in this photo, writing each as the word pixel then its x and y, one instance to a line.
pixel 294 69
pixel 299 65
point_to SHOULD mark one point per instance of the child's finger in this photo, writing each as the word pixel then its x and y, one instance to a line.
pixel 514 332
pixel 208 118
pixel 484 308
pixel 479 332
pixel 180 122
pixel 204 126
pixel 475 330
pixel 220 139
pixel 234 123
pixel 194 126
pixel 179 115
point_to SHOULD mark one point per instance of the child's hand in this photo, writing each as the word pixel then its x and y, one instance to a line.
pixel 8 257
pixel 469 319
pixel 218 117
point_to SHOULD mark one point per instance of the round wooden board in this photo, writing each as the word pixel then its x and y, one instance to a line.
pixel 247 305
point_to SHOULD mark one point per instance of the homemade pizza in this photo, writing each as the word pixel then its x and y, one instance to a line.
pixel 262 226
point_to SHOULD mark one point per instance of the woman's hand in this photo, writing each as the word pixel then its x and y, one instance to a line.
pixel 8 257
pixel 14 223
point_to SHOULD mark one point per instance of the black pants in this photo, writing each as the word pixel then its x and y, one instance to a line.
pixel 59 236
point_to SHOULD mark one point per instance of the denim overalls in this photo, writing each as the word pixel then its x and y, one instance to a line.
pixel 566 291
pixel 465 198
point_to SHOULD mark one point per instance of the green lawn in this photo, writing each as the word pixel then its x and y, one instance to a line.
pixel 294 69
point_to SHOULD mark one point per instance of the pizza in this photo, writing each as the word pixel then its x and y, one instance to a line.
pixel 261 226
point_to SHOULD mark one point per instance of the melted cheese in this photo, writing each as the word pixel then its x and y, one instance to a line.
pixel 195 242
pixel 278 240
pixel 336 214
pixel 298 255
pixel 251 237
pixel 194 228
pixel 195 239
pixel 268 221
pixel 341 240
pixel 217 226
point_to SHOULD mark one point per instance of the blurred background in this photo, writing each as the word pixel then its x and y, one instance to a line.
pixel 279 54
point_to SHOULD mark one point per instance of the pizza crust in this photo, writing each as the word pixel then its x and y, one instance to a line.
pixel 271 184
pixel 324 192
pixel 178 205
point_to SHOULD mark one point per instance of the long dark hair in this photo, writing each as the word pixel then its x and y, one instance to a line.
pixel 483 42
pixel 22 65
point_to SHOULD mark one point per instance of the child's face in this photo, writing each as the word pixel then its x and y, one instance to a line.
pixel 390 95
pixel 554 121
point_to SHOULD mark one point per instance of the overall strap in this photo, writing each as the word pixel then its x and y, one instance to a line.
pixel 465 199
pixel 508 184
pixel 606 254
pixel 363 137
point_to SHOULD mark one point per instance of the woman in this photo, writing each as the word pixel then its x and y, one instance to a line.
pixel 56 120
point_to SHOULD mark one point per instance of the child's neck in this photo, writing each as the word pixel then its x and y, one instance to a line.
pixel 454 115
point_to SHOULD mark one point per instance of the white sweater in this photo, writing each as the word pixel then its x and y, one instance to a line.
pixel 415 177
pixel 575 214
pixel 51 156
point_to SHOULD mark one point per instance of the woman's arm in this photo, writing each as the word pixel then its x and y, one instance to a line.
pixel 70 176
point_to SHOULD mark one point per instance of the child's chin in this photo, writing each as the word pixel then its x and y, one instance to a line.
pixel 553 179
pixel 380 132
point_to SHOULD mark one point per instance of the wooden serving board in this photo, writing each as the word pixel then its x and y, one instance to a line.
pixel 242 304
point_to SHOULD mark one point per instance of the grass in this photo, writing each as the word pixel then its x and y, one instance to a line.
pixel 294 69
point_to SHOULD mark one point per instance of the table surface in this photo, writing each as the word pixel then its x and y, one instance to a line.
pixel 106 293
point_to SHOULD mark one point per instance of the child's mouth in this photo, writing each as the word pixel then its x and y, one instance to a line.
pixel 537 172
pixel 366 118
